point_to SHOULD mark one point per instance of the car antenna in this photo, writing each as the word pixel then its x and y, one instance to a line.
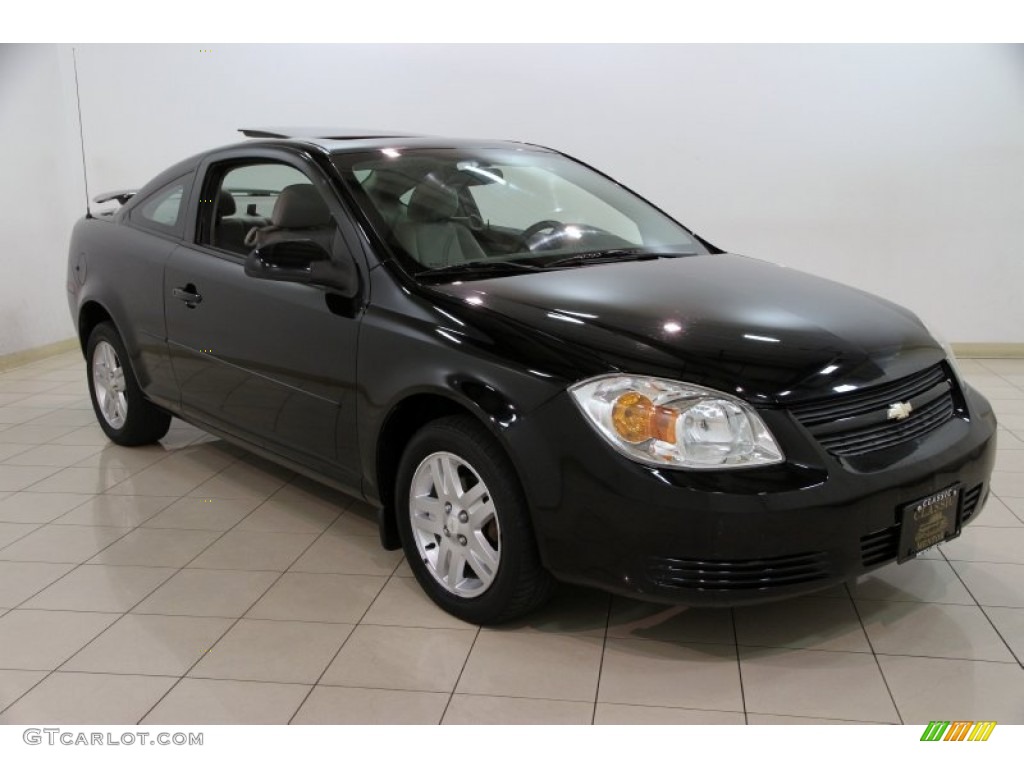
pixel 81 132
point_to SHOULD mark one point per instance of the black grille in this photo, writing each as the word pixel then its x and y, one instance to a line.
pixel 881 546
pixel 738 574
pixel 857 423
pixel 971 499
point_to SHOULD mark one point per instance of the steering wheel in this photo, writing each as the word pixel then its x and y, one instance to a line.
pixel 535 229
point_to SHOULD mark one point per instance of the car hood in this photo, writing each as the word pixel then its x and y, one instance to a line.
pixel 740 325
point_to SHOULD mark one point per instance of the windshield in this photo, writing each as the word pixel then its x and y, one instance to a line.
pixel 449 211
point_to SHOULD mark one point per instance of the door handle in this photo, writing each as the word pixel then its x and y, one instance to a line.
pixel 187 294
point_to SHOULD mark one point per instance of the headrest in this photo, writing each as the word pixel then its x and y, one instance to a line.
pixel 431 201
pixel 300 206
pixel 225 204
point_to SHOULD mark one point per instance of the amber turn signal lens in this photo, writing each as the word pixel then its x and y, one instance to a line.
pixel 636 419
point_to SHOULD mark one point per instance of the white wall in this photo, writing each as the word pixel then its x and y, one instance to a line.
pixel 897 169
pixel 41 193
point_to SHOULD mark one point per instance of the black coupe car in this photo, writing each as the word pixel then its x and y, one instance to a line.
pixel 532 372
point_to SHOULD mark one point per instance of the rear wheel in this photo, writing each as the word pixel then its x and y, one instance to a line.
pixel 123 412
pixel 465 526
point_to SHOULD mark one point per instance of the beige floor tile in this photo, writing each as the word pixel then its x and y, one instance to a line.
pixel 62 543
pixel 503 710
pixel 39 434
pixel 675 624
pixel 103 588
pixel 247 479
pixel 958 690
pixel 1009 622
pixel 403 603
pixel 932 629
pixel 203 513
pixel 149 645
pixel 14 683
pixel 19 581
pixel 45 639
pixel 1005 440
pixel 647 672
pixel 80 480
pixel 631 714
pixel 323 597
pixel 22 412
pixel 534 665
pixel 159 547
pixel 757 719
pixel 198 592
pixel 52 455
pixel 273 651
pixel 1016 506
pixel 348 554
pixel 11 532
pixel 69 417
pixel 255 551
pixel 227 702
pixel 82 698
pixel 996 584
pixel 14 382
pixel 401 658
pixel 823 624
pixel 997 514
pixel 39 507
pixel 117 511
pixel 929 581
pixel 571 610
pixel 302 493
pixel 50 400
pixel 132 460
pixel 987 545
pixel 167 477
pixel 1011 461
pixel 1009 484
pixel 9 450
pixel 90 434
pixel 363 706
pixel 275 516
pixel 843 686
pixel 19 478
pixel 358 520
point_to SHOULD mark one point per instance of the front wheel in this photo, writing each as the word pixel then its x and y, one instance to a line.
pixel 465 526
pixel 123 412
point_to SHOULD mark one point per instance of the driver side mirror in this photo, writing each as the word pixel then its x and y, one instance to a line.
pixel 299 261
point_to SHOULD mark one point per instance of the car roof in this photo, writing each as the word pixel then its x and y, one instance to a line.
pixel 360 139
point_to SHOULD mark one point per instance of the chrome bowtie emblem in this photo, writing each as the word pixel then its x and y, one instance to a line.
pixel 899 411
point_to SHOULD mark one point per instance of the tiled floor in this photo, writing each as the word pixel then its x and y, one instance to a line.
pixel 190 582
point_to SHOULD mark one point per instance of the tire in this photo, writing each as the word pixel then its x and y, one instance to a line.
pixel 123 412
pixel 496 521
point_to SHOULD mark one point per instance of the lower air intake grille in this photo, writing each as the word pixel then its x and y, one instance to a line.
pixel 971 499
pixel 738 574
pixel 881 546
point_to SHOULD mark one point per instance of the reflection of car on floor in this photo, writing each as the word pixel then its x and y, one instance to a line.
pixel 532 372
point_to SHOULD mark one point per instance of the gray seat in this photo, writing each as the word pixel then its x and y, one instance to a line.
pixel 300 213
pixel 428 232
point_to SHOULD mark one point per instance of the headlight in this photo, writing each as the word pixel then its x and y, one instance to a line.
pixel 670 423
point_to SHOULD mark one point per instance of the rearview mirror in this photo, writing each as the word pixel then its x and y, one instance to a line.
pixel 298 261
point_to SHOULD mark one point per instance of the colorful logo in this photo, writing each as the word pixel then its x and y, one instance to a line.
pixel 958 730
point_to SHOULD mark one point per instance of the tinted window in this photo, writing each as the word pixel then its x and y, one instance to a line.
pixel 163 211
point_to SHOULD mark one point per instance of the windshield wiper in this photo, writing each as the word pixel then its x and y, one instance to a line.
pixel 614 254
pixel 487 266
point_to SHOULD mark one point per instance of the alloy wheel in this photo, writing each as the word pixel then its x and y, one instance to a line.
pixel 455 524
pixel 109 385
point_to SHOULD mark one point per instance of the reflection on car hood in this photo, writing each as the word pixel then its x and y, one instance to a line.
pixel 737 324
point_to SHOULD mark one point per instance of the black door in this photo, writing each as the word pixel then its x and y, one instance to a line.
pixel 270 362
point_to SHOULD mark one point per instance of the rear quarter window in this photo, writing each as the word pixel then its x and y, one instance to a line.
pixel 164 210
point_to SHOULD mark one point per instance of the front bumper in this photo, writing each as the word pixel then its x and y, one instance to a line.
pixel 737 536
